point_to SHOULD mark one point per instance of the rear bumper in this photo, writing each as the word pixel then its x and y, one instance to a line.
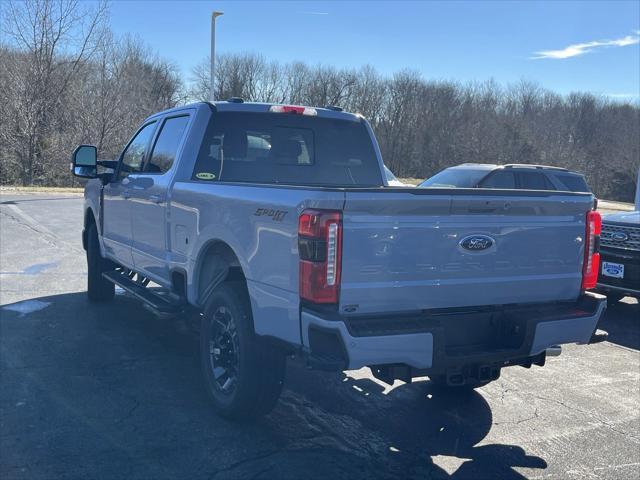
pixel 442 340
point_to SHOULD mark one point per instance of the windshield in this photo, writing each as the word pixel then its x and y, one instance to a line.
pixel 455 178
pixel 287 149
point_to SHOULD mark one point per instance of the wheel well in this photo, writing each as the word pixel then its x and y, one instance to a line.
pixel 218 263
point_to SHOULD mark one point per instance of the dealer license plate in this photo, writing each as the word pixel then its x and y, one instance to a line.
pixel 615 270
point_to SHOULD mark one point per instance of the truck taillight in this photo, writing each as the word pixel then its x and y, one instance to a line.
pixel 293 109
pixel 591 265
pixel 320 251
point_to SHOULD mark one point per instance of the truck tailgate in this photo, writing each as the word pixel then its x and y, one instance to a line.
pixel 423 249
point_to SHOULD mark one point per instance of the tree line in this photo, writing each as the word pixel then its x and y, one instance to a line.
pixel 66 79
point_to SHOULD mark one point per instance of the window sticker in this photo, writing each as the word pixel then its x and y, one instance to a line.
pixel 205 176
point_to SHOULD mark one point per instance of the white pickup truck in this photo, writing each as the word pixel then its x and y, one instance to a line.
pixel 275 224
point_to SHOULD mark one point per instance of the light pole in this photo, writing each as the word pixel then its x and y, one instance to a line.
pixel 214 15
pixel 637 202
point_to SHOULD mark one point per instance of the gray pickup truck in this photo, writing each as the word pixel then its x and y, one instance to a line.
pixel 275 225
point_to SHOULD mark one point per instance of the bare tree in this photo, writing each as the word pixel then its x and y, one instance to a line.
pixel 56 37
pixel 62 84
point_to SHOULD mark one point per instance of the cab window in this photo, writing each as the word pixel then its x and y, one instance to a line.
pixel 133 155
pixel 287 149
pixel 166 146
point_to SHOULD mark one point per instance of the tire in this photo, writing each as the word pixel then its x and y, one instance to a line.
pixel 243 373
pixel 98 288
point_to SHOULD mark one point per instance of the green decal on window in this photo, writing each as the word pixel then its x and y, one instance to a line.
pixel 205 176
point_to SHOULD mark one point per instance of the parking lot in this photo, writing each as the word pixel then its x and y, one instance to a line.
pixel 110 391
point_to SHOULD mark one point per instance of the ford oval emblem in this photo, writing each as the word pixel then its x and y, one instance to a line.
pixel 477 243
pixel 619 236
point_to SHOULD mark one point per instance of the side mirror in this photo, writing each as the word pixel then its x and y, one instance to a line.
pixel 84 161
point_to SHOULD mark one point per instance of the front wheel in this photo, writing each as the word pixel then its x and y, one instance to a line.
pixel 243 373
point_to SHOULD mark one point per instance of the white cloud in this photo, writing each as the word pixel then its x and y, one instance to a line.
pixel 582 48
pixel 315 13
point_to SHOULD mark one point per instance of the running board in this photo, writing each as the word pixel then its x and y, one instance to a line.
pixel 161 302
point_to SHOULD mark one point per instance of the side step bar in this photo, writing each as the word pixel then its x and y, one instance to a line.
pixel 160 302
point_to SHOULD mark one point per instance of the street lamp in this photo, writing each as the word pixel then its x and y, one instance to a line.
pixel 637 202
pixel 214 15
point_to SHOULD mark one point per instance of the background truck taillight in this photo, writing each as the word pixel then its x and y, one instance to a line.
pixel 591 265
pixel 320 250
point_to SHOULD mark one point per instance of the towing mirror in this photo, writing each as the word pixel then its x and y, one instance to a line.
pixel 84 162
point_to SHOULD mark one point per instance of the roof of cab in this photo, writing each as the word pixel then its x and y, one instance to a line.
pixel 241 106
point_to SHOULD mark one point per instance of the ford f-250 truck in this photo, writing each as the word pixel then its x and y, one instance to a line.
pixel 276 226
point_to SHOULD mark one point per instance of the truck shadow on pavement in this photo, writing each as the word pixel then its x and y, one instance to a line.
pixel 112 389
pixel 414 423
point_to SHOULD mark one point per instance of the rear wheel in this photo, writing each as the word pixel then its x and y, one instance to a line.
pixel 243 373
pixel 98 288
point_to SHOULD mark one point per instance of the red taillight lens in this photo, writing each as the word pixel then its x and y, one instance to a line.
pixel 591 265
pixel 320 251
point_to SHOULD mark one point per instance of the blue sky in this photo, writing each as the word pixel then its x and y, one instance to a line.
pixel 590 45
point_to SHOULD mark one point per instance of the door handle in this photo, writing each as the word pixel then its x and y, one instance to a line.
pixel 156 198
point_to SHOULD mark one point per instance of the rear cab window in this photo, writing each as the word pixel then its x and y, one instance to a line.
pixel 287 149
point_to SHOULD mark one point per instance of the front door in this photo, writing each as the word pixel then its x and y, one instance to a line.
pixel 149 190
pixel 116 208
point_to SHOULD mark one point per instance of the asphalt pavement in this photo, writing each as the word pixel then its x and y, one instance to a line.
pixel 111 391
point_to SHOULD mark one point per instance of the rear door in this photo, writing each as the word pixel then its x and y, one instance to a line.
pixel 148 197
pixel 422 249
pixel 116 214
